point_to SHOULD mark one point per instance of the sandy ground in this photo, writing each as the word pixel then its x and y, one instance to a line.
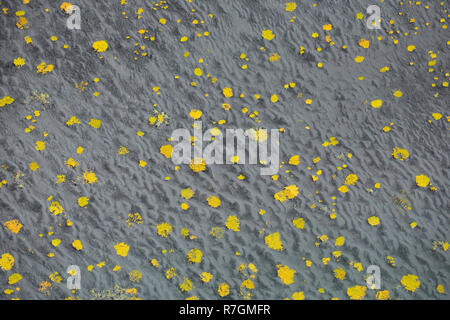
pixel 124 98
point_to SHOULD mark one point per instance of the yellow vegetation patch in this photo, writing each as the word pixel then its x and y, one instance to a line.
pixel 286 274
pixel 273 241
pixel 13 225
pixel 122 249
pixel 410 282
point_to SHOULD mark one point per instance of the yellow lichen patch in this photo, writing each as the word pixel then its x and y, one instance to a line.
pixel 197 164
pixel 399 153
pixel 195 255
pixel 376 103
pixel 422 180
pixel 233 223
pixel 436 116
pixel 410 282
pixel 359 59
pixel 164 229
pixel 195 114
pixel 166 150
pixel 298 295
pixel 100 46
pixel 6 100
pixel 206 276
pixel 267 34
pixel 364 43
pixel 14 278
pixel 299 223
pixel 356 292
pixel 343 189
pixel 286 274
pixel 339 241
pixel 351 179
pixel 122 151
pixel 187 193
pixel 327 27
pixel 83 201
pixel 65 6
pixel 213 201
pixel 290 6
pixel 122 249
pixel 71 163
pixel 339 273
pixel 77 245
pixel 227 92
pixel 224 289
pixel 273 241
pixel 289 192
pixel 186 285
pixel 56 242
pixel 398 94
pixel 383 295
pixel 43 68
pixel 6 262
pixel 294 160
pixel 90 177
pixel 56 208
pixel 73 120
pixel 95 123
pixel 373 221
pixel 19 62
pixel 33 166
pixel 40 145
pixel 135 275
pixel 13 225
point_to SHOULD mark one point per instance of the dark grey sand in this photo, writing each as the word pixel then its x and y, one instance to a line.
pixel 340 108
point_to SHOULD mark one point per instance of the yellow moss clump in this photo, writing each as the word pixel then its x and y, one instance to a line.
pixel 195 255
pixel 166 150
pixel 6 262
pixel 197 164
pixel 43 68
pixel 351 179
pixel 399 153
pixel 356 292
pixel 100 46
pixel 410 282
pixel 213 201
pixel 299 223
pixel 187 193
pixel 122 249
pixel 422 181
pixel 65 6
pixel 164 229
pixel 5 101
pixel 13 225
pixel 289 192
pixel 267 34
pixel 286 274
pixel 227 92
pixel 77 245
pixel 383 295
pixel 224 289
pixel 55 208
pixel 273 241
pixel 233 223
pixel 90 177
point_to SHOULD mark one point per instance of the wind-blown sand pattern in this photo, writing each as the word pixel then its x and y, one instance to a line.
pixel 86 177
